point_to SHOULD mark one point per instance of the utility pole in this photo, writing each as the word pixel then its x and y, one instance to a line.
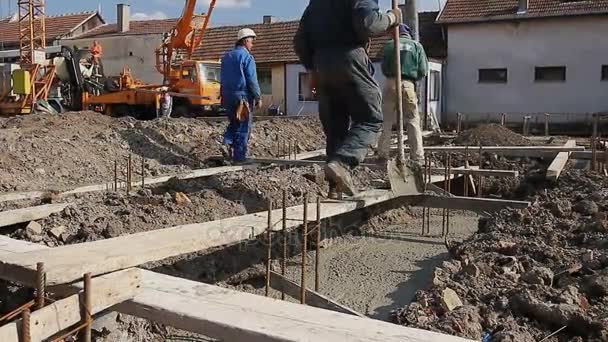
pixel 411 18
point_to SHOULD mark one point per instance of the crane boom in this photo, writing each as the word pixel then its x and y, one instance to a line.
pixel 187 35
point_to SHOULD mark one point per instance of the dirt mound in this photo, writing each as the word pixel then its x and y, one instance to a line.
pixel 491 135
pixel 53 152
pixel 527 273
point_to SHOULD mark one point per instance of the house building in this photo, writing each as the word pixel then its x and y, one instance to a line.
pixel 129 43
pixel 284 81
pixel 57 28
pixel 526 57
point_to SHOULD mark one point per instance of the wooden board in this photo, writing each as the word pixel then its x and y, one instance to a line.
pixel 587 155
pixel 467 203
pixel 11 217
pixel 280 283
pixel 557 166
pixel 234 316
pixel 107 291
pixel 15 196
pixel 68 263
pixel 11 246
pixel 512 151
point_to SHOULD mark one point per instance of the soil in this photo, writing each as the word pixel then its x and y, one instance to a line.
pixel 528 273
pixel 491 135
pixel 44 152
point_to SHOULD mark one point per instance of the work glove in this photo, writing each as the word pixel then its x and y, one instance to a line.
pixel 395 17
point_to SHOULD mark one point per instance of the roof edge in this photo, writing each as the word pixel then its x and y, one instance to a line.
pixel 516 17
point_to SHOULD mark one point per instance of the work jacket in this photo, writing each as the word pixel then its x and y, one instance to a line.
pixel 414 63
pixel 239 76
pixel 337 25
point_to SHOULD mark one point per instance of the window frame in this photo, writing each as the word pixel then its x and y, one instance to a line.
pixel 301 97
pixel 604 73
pixel 434 86
pixel 538 69
pixel 489 80
pixel 260 71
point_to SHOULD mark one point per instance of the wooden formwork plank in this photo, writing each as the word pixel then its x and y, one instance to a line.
pixel 467 203
pixel 557 165
pixel 67 263
pixel 11 217
pixel 106 291
pixel 236 316
pixel 280 283
pixel 513 151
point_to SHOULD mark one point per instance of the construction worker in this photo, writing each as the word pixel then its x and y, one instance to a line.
pixel 96 52
pixel 240 92
pixel 166 103
pixel 414 67
pixel 331 43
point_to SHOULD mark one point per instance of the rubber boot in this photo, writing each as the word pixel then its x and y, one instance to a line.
pixel 340 175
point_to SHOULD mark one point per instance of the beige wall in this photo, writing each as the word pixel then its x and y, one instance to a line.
pixel 278 87
pixel 135 51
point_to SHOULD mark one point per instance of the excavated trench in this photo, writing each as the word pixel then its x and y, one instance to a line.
pixel 374 260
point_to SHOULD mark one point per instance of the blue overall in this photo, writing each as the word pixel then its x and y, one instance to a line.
pixel 239 82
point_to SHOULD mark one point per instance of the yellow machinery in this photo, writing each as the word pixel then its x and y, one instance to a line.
pixel 31 83
pixel 194 85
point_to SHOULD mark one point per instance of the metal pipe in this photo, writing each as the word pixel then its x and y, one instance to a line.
pixel 466 166
pixel 269 241
pixel 459 123
pixel 88 308
pixel 503 119
pixel 318 244
pixel 445 188
pixel 129 173
pixel 547 116
pixel 115 175
pixel 40 285
pixel 447 228
pixel 304 249
pixel 284 260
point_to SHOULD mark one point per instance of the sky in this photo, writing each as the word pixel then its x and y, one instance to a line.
pixel 227 12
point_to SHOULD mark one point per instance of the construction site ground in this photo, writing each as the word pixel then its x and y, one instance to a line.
pixel 516 271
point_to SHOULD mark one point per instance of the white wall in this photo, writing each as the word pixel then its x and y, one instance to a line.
pixel 578 43
pixel 295 106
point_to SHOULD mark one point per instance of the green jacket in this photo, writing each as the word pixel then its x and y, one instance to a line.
pixel 414 64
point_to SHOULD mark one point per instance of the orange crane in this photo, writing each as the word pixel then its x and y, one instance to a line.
pixel 194 84
pixel 31 83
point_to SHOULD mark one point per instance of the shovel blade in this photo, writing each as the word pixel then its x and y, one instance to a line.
pixel 406 179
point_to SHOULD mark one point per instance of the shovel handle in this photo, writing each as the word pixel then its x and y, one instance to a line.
pixel 397 42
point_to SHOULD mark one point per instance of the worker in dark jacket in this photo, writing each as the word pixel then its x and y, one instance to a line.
pixel 330 43
pixel 240 92
pixel 414 67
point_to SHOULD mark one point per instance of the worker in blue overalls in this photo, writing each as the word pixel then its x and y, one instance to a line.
pixel 240 93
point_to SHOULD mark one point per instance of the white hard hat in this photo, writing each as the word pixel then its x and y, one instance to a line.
pixel 245 33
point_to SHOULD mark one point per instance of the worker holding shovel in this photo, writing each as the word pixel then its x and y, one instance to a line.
pixel 331 43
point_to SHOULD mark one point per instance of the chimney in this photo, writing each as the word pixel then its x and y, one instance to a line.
pixel 123 17
pixel 523 7
pixel 269 19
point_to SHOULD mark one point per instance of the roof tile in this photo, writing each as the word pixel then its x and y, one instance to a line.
pixel 462 11
pixel 56 26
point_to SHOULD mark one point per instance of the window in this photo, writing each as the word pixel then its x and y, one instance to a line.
pixel 550 74
pixel 604 72
pixel 265 80
pixel 304 89
pixel 435 85
pixel 497 75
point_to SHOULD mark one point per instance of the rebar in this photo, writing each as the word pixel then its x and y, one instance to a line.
pixel 318 244
pixel 284 154
pixel 25 326
pixel 304 249
pixel 284 260
pixel 426 160
pixel 428 211
pixel 479 192
pixel 445 188
pixel 466 177
pixel 289 150
pixel 269 251
pixel 143 172
pixel 129 170
pixel 593 154
pixel 547 116
pixel 115 175
pixel 40 285
pixel 88 308
pixel 459 123
pixel 503 119
pixel 447 227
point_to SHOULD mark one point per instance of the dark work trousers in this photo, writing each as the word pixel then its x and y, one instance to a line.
pixel 350 103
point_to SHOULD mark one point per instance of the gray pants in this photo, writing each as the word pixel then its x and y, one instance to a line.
pixel 350 104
